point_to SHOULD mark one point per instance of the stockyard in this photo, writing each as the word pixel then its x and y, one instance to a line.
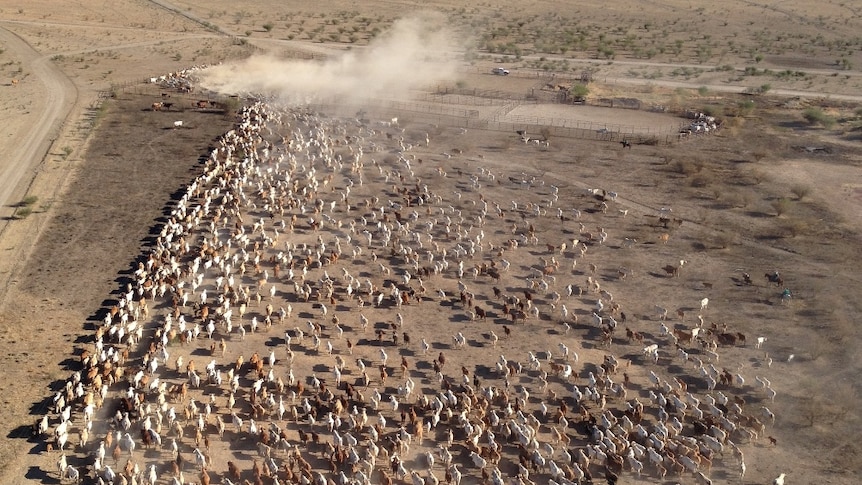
pixel 334 244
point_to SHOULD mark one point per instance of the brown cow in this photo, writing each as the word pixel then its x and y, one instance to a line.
pixel 480 312
pixel 233 471
pixel 727 338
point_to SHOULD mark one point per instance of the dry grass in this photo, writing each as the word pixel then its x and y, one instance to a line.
pixel 781 206
pixel 800 190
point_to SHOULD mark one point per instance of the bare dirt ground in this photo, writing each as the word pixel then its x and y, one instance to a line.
pixel 65 263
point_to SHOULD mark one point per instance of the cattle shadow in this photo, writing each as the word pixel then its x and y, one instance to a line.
pixel 40 408
pixel 655 274
pixel 458 318
pixel 37 474
pixel 26 432
pixel 70 364
pixel 448 303
pixel 85 339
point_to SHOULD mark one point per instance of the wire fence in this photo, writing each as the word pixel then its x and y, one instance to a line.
pixel 594 126
pixel 582 131
pixel 441 107
pixel 393 105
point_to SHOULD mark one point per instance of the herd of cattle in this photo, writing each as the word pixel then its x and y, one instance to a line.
pixel 323 306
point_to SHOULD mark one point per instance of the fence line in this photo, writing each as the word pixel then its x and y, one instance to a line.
pixel 437 108
pixel 417 107
pixel 589 125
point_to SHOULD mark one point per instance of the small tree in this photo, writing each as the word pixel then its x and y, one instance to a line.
pixel 22 212
pixel 231 105
pixel 579 90
pixel 268 26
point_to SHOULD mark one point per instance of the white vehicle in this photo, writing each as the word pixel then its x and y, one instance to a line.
pixel 500 71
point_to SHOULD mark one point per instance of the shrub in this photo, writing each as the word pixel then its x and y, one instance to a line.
pixel 268 26
pixel 792 227
pixel 734 198
pixel 800 190
pixel 781 206
pixel 231 105
pixel 701 180
pixel 724 239
pixel 703 90
pixel 816 116
pixel 23 212
pixel 685 167
pixel 579 89
pixel 29 200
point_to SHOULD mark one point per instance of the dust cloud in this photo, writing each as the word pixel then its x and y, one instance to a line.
pixel 416 52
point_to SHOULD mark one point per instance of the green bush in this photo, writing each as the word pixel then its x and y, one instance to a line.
pixel 579 89
pixel 23 212
pixel 816 116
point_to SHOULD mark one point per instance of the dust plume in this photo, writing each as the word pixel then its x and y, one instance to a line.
pixel 417 52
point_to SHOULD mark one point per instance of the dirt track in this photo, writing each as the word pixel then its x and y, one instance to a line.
pixel 53 105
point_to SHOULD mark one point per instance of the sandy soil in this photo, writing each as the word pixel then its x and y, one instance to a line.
pixel 64 264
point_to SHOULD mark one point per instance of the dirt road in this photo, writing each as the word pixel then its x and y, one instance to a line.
pixel 35 136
